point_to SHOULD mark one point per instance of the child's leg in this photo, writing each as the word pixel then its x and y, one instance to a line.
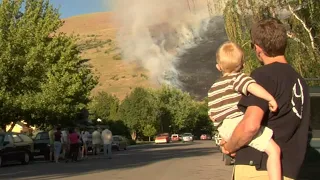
pixel 227 127
pixel 263 142
pixel 273 162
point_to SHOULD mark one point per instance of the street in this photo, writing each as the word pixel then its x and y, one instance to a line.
pixel 199 160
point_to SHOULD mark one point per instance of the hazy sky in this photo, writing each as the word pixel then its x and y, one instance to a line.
pixel 76 7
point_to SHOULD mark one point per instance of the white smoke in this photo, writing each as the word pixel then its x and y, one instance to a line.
pixel 154 32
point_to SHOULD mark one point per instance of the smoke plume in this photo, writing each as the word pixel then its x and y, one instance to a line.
pixel 155 33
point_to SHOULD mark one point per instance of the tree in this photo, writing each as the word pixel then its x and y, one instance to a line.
pixel 203 125
pixel 138 109
pixel 301 19
pixel 42 77
pixel 104 106
pixel 149 130
pixel 175 108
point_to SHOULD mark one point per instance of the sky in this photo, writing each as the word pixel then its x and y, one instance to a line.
pixel 70 8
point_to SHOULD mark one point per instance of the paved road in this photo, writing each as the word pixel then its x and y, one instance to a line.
pixel 197 161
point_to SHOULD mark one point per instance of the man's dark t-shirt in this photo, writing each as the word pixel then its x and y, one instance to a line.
pixel 289 124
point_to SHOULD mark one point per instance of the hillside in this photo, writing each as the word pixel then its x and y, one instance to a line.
pixel 97 41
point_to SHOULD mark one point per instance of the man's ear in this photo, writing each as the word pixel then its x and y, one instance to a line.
pixel 258 49
pixel 218 67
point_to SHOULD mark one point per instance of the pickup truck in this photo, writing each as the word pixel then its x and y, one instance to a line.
pixel 310 169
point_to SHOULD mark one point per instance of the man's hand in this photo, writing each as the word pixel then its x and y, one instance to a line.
pixel 224 151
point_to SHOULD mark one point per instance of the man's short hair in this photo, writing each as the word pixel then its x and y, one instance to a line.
pixel 230 57
pixel 271 35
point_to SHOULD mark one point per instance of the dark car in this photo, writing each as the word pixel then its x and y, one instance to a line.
pixel 15 147
pixel 119 142
pixel 42 145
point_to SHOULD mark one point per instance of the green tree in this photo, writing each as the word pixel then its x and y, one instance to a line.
pixel 175 107
pixel 104 106
pixel 300 17
pixel 42 77
pixel 138 109
pixel 149 130
pixel 203 125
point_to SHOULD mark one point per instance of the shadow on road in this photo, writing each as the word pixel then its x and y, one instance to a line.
pixel 159 146
pixel 133 158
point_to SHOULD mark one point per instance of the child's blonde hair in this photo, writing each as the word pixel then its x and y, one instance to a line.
pixel 230 57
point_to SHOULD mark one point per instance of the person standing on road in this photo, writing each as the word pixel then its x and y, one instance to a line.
pixel 57 144
pixel 84 137
pixel 65 144
pixel 290 124
pixel 96 141
pixel 51 143
pixel 74 145
pixel 80 142
pixel 107 140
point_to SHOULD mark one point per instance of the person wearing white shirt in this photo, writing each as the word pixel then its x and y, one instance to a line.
pixel 96 142
pixel 84 137
pixel 107 140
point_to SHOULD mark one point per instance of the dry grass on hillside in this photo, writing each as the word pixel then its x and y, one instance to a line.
pixel 97 41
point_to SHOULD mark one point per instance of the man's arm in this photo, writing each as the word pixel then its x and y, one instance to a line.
pixel 246 129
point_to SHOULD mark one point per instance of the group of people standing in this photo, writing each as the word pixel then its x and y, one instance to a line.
pixel 73 142
pixel 99 138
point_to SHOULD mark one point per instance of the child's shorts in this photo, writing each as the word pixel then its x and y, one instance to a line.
pixel 260 141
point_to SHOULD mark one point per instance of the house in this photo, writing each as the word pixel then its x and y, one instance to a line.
pixel 20 127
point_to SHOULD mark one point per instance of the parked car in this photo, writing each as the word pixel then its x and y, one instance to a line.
pixel 15 147
pixel 205 137
pixel 175 137
pixel 119 142
pixel 42 145
pixel 187 137
pixel 162 138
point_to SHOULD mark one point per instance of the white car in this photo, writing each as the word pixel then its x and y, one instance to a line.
pixel 187 137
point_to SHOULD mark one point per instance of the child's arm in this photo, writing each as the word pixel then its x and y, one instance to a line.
pixel 245 84
pixel 259 91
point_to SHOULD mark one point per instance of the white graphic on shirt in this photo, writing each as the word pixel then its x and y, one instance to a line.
pixel 297 100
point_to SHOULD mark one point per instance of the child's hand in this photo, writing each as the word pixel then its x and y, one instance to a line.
pixel 273 106
pixel 212 119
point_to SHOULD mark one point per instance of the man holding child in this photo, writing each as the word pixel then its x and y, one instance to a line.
pixel 275 120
